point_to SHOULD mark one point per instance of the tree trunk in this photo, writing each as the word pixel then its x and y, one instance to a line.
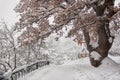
pixel 103 32
pixel 15 58
pixel 103 44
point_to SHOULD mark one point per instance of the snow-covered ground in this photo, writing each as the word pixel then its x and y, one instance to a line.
pixel 78 70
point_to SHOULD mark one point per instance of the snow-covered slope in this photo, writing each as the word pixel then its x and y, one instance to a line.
pixel 77 70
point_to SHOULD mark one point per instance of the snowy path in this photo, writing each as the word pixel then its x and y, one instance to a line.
pixel 91 73
pixel 77 70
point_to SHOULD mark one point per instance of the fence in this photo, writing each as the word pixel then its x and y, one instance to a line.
pixel 27 69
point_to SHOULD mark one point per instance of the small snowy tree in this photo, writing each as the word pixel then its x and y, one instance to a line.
pixel 8 46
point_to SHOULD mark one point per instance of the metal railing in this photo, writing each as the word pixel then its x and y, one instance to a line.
pixel 17 73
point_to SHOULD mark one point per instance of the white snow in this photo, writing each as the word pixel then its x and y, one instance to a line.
pixel 115 58
pixel 115 49
pixel 95 55
pixel 35 25
pixel 110 40
pixel 63 49
pixel 117 2
pixel 64 3
pixel 7 74
pixel 51 20
pixel 102 2
pixel 77 70
pixel 93 40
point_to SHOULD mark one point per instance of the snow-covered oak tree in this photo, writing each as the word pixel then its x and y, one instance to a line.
pixel 92 21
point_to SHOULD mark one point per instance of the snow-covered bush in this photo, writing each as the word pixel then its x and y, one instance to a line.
pixel 62 50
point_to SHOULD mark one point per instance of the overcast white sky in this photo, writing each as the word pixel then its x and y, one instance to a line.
pixel 7 13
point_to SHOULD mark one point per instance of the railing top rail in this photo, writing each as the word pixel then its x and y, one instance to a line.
pixel 25 66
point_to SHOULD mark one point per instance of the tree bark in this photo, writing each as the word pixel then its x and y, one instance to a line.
pixel 103 33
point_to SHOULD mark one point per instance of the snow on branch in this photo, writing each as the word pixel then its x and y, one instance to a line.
pixel 95 55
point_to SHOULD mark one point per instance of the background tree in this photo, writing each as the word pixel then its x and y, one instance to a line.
pixel 90 21
pixel 8 47
pixel 13 56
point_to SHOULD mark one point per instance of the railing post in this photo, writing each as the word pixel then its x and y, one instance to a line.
pixel 37 65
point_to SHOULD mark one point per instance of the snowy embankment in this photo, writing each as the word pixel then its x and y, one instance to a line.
pixel 77 70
